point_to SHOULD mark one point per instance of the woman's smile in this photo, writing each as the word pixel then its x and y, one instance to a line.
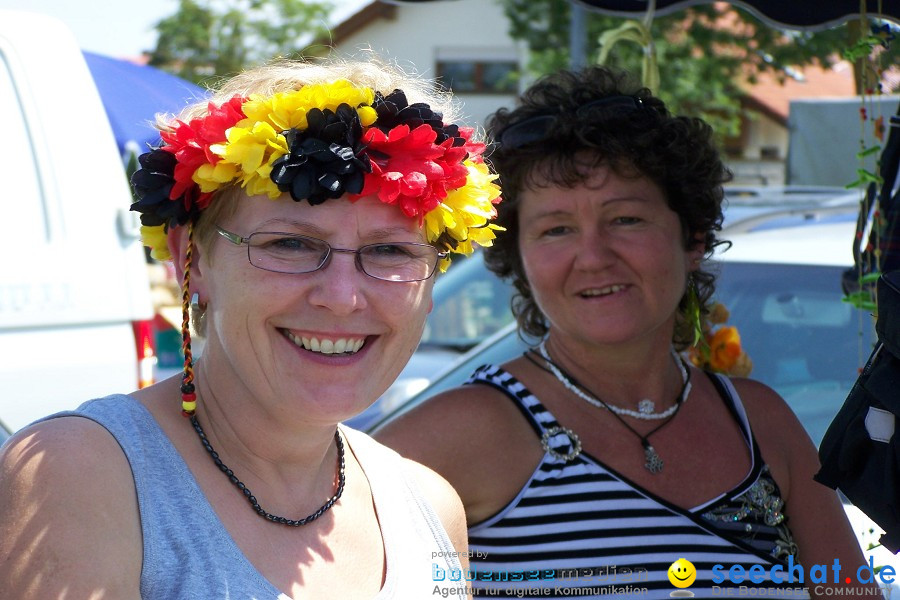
pixel 603 292
pixel 326 345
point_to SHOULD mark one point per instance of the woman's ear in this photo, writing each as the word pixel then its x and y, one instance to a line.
pixel 695 251
pixel 178 247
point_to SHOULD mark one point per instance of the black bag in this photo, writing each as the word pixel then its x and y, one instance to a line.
pixel 860 452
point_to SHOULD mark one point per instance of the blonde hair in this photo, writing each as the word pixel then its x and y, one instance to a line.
pixel 285 75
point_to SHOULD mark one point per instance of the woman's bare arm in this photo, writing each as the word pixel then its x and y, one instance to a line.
pixel 815 515
pixel 69 521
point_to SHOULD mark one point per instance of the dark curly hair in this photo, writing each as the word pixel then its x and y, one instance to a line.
pixel 642 139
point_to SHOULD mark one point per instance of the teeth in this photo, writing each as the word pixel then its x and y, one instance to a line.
pixel 326 346
pixel 612 289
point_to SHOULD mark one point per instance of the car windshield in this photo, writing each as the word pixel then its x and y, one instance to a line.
pixel 804 341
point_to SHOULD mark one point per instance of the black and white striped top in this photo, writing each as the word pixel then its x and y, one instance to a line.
pixel 578 529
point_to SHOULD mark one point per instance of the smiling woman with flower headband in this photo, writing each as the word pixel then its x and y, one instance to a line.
pixel 307 208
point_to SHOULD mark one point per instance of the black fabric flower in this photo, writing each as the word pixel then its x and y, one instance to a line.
pixel 394 109
pixel 326 160
pixel 152 184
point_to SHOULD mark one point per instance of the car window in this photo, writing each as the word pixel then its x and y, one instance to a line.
pixel 470 303
pixel 504 345
pixel 17 155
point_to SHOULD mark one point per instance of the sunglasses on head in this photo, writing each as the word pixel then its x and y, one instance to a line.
pixel 534 129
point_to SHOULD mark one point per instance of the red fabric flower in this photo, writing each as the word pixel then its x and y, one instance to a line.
pixel 475 150
pixel 410 170
pixel 190 143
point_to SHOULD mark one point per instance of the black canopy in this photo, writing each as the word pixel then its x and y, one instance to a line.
pixel 794 14
pixel 780 13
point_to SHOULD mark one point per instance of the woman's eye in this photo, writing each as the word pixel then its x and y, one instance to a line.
pixel 291 244
pixel 628 220
pixel 558 230
pixel 386 250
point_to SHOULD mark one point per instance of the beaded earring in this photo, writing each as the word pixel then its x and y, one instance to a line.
pixel 188 395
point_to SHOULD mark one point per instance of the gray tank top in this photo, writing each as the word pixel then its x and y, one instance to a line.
pixel 189 554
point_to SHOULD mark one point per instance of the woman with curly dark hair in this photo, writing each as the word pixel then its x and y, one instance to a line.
pixel 595 461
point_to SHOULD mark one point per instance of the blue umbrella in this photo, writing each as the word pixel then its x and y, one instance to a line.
pixel 133 94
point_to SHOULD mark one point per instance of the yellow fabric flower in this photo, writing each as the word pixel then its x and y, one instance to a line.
pixel 255 142
pixel 155 238
pixel 465 212
pixel 367 115
pixel 212 177
pixel 250 151
pixel 287 110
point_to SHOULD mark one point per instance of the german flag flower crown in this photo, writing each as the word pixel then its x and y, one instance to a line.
pixel 322 141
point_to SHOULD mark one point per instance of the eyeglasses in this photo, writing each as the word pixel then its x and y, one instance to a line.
pixel 295 254
pixel 534 129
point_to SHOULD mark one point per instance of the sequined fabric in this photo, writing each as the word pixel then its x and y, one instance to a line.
pixel 757 518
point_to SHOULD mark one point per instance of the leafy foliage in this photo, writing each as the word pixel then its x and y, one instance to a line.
pixel 215 38
pixel 705 53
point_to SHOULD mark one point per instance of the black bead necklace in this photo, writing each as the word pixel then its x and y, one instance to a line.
pixel 252 499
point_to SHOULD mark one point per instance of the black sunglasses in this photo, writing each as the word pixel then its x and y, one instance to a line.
pixel 534 129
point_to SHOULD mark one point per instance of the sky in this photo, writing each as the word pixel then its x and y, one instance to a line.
pixel 117 28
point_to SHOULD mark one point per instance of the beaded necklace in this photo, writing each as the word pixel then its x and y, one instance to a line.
pixel 645 407
pixel 252 499
pixel 653 462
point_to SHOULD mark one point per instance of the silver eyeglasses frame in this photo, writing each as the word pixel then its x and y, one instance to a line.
pixel 238 240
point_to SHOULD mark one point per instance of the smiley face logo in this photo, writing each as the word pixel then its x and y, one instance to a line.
pixel 682 573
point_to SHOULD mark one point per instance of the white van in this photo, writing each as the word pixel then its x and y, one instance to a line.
pixel 75 307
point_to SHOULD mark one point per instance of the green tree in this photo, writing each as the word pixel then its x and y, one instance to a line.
pixel 207 39
pixel 705 54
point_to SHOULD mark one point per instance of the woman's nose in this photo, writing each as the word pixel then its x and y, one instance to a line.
pixel 339 284
pixel 594 250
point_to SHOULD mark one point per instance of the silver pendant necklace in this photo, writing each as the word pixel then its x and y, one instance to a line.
pixel 652 460
pixel 647 407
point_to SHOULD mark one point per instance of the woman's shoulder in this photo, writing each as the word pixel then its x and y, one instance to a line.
pixel 67 498
pixel 793 461
pixel 422 482
pixel 467 434
pixel 442 497
pixel 463 418
pixel 765 407
pixel 63 452
pixel 65 438
pixel 783 441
